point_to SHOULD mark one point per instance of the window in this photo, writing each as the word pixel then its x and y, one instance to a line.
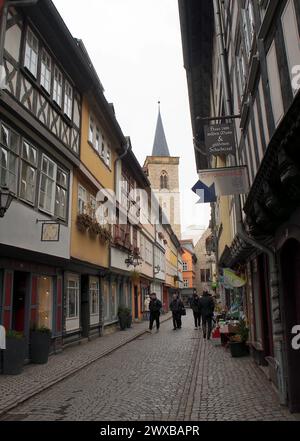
pixel 68 100
pixel 292 42
pixel 148 252
pixel 82 200
pixel 94 296
pixel 241 71
pixel 47 185
pixel 97 143
pixel 93 206
pixel 164 184
pixel 72 298
pixel 9 149
pixel 61 196
pixel 248 24
pixel 185 283
pixel 91 130
pixel 28 173
pixel 31 52
pixel 274 84
pixel 45 299
pixel 208 275
pixel 46 71
pixel 185 266
pixel 202 275
pixel 102 149
pixel 57 86
pixel 108 157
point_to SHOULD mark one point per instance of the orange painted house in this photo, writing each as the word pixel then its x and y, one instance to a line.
pixel 189 260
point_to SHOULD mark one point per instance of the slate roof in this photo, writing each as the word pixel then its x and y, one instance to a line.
pixel 160 145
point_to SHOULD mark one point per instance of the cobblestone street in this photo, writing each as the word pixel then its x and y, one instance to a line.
pixel 170 375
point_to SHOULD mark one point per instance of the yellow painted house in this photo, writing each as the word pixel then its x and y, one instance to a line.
pixel 89 286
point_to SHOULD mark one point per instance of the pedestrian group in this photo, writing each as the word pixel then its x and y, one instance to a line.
pixel 202 307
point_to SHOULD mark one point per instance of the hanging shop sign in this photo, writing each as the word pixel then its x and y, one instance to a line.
pixel 232 280
pixel 226 181
pixel 219 139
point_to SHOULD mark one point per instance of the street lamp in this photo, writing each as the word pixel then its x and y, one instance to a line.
pixel 6 198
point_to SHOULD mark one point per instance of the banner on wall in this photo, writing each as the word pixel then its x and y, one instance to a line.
pixel 232 280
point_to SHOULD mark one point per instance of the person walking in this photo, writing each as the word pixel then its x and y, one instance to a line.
pixel 176 306
pixel 155 306
pixel 195 305
pixel 146 307
pixel 207 306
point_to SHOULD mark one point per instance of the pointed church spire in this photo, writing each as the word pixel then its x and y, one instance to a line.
pixel 160 146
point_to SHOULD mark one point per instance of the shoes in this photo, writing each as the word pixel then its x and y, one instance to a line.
pixel 196 328
pixel 149 331
pixel 174 329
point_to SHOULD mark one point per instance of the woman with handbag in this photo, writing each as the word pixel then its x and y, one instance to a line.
pixel 177 307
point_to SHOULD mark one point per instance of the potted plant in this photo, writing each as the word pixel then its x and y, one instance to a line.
pixel 14 354
pixel 123 317
pixel 83 221
pixel 40 338
pixel 129 317
pixel 237 342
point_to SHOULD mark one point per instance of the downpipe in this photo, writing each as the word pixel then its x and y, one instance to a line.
pixel 276 319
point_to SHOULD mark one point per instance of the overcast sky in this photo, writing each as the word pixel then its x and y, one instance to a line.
pixel 135 46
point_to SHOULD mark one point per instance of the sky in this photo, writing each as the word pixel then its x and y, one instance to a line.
pixel 135 47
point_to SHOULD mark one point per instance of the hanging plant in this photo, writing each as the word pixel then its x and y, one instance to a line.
pixel 95 228
pixel 83 221
pixel 165 241
pixel 105 235
pixel 160 235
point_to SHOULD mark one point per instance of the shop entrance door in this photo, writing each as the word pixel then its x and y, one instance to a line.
pixel 290 264
pixel 20 296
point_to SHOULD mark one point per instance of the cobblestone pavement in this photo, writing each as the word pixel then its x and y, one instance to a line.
pixel 168 376
pixel 36 378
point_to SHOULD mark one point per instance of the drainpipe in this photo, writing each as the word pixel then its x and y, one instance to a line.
pixel 275 305
pixel 274 277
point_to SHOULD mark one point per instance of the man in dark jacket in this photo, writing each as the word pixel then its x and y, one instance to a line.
pixel 155 306
pixel 207 306
pixel 195 305
pixel 176 306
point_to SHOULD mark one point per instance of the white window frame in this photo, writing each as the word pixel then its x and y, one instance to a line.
pixel 31 53
pixel 57 86
pixel 45 77
pixel 68 100
pixel 25 162
pixel 72 322
pixel 53 179
pixel 186 283
pixel 184 266
pixel 82 199
pixel 94 294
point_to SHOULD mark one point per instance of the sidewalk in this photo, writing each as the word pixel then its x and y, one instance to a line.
pixel 14 390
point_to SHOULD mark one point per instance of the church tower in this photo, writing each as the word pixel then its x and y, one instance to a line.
pixel 162 170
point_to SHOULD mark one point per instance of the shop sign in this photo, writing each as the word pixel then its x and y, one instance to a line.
pixel 232 280
pixel 219 139
pixel 226 181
